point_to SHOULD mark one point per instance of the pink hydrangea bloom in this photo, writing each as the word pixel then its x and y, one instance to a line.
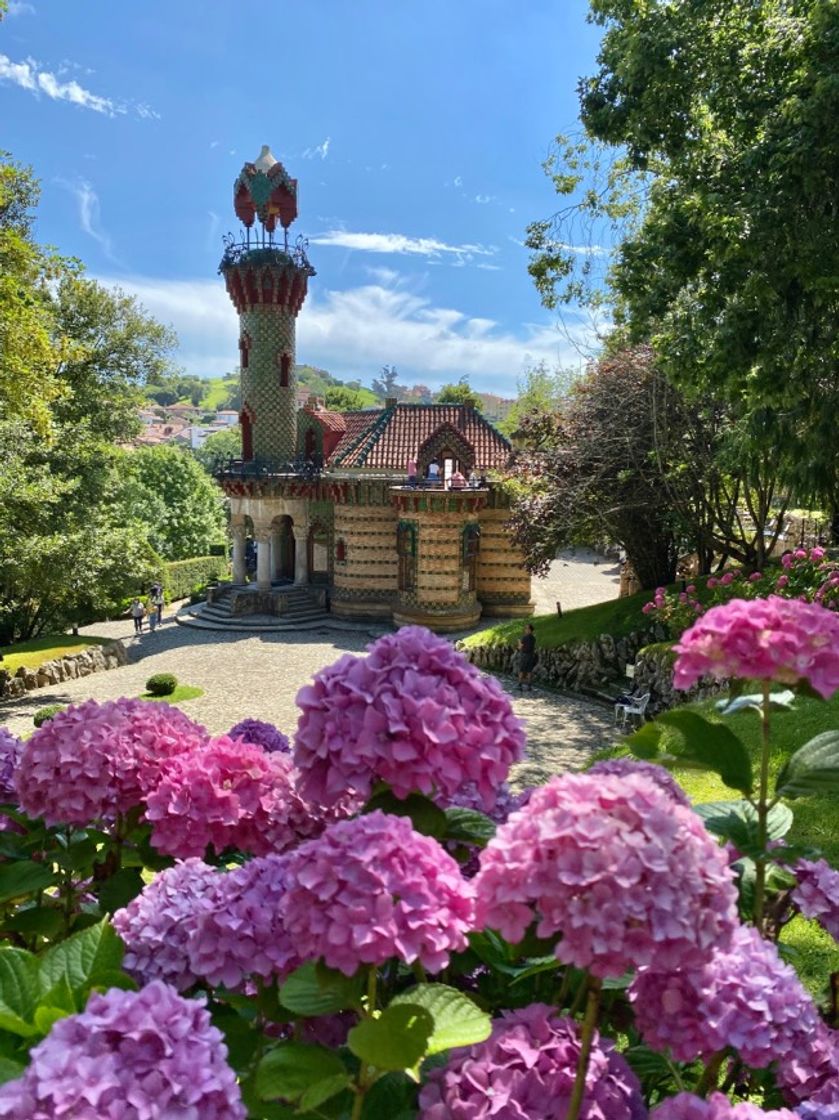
pixel 10 751
pixel 685 1106
pixel 261 734
pixel 226 794
pixel 527 1068
pixel 662 778
pixel 787 560
pixel 413 713
pixel 781 582
pixel 811 1070
pixel 817 893
pixel 156 926
pixel 370 889
pixel 648 608
pixel 775 639
pixel 625 875
pixel 147 1055
pixel 93 761
pixel 240 932
pixel 817 554
pixel 745 997
pixel 726 579
pixel 712 582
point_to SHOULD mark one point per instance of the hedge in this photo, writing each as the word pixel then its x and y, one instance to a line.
pixel 180 576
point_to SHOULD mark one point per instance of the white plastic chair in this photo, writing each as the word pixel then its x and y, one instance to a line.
pixel 637 707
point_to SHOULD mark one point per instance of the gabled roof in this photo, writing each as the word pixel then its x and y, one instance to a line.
pixel 334 421
pixel 385 439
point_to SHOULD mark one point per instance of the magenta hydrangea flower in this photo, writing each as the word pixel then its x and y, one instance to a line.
pixel 810 1070
pixel 783 640
pixel 817 893
pixel 227 794
pixel 662 778
pixel 685 1106
pixel 370 889
pixel 10 750
pixel 261 734
pixel 625 875
pixel 92 761
pixel 413 713
pixel 746 997
pixel 240 933
pixel 527 1068
pixel 156 925
pixel 147 1055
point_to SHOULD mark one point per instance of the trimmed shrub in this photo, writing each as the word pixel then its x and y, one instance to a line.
pixel 198 593
pixel 43 714
pixel 181 576
pixel 162 684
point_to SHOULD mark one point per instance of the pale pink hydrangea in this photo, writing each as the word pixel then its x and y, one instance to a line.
pixel 147 1055
pixel 527 1068
pixel 371 889
pixel 156 925
pixel 775 639
pixel 662 778
pixel 817 893
pixel 413 713
pixel 227 794
pixel 92 761
pixel 240 932
pixel 685 1106
pixel 745 998
pixel 626 876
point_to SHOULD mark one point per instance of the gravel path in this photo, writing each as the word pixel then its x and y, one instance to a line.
pixel 258 675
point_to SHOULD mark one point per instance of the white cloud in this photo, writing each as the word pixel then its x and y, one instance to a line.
pixel 483 199
pixel 352 332
pixel 90 217
pixel 458 181
pixel 321 150
pixel 29 76
pixel 584 250
pixel 212 230
pixel 387 277
pixel 399 243
pixel 214 143
pixel 20 8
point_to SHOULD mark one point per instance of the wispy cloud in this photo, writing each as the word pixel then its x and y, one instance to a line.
pixel 584 250
pixel 90 215
pixel 458 181
pixel 29 76
pixel 212 230
pixel 355 330
pixel 319 150
pixel 399 243
pixel 20 8
pixel 483 199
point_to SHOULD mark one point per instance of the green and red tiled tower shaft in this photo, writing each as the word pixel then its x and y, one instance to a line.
pixel 267 283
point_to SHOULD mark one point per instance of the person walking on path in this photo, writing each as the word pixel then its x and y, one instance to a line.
pixel 138 612
pixel 528 657
pixel 152 616
pixel 157 602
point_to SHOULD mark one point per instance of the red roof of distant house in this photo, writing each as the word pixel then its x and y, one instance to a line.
pixel 385 439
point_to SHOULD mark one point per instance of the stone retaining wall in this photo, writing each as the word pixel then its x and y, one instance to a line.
pixel 94 659
pixel 654 674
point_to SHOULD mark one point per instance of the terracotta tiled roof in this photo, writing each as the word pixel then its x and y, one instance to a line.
pixel 333 420
pixel 386 439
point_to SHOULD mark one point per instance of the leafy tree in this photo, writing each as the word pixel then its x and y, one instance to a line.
pixel 460 393
pixel 385 384
pixel 219 445
pixel 727 116
pixel 180 505
pixel 539 391
pixel 343 399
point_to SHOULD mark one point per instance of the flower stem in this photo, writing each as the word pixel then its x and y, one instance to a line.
pixel 586 1039
pixel 762 811
pixel 708 1080
pixel 364 1080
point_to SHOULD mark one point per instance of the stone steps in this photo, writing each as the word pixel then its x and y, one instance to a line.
pixel 301 613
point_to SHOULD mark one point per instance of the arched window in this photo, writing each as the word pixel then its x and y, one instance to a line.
pixel 244 350
pixel 471 549
pixel 285 370
pixel 340 551
pixel 406 550
pixel 246 423
pixel 310 444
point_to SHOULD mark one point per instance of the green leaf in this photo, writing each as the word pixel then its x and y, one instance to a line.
pixel 46 1017
pixel 45 921
pixel 392 1097
pixel 457 1020
pixel 704 745
pixel 120 889
pixel 425 816
pixel 778 701
pixel 314 989
pixel 737 821
pixel 88 959
pixel 24 877
pixel 814 768
pixel 18 992
pixel 468 826
pixel 644 743
pixel 9 1070
pixel 398 1039
pixel 295 1067
pixel 323 1090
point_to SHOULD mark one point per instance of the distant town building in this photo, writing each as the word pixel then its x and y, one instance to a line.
pixel 496 408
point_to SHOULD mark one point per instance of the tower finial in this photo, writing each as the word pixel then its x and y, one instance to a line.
pixel 265 190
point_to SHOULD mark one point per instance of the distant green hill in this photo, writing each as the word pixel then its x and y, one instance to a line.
pixel 223 392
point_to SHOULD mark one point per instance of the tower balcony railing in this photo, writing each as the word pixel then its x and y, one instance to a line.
pixel 261 250
pixel 266 467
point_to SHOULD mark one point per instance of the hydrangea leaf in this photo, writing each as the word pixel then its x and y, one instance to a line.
pixel 457 1020
pixel 468 826
pixel 314 990
pixel 9 1070
pixel 117 891
pixel 24 877
pixel 45 921
pixel 293 1068
pixel 708 746
pixel 87 959
pixel 398 1039
pixel 18 992
pixel 423 814
pixel 814 768
pixel 737 821
pixel 392 1097
pixel 779 701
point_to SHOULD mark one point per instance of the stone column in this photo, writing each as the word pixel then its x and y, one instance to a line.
pixel 240 574
pixel 276 551
pixel 263 559
pixel 301 540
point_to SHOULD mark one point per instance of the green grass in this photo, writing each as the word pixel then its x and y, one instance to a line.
pixel 182 692
pixel 217 391
pixel 616 617
pixel 33 653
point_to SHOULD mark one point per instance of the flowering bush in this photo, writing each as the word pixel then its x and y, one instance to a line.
pixel 414 714
pixel 685 1106
pixel 817 893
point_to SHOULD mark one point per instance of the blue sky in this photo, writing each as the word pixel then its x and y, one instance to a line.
pixel 416 130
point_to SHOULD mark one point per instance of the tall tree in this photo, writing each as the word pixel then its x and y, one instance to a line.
pixel 540 391
pixel 385 385
pixel 460 392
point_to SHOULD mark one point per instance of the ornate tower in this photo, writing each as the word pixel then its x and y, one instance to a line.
pixel 267 283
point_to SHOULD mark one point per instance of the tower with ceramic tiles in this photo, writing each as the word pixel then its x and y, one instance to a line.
pixel 267 281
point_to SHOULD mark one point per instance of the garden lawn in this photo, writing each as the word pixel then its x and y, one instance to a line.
pixel 39 650
pixel 182 692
